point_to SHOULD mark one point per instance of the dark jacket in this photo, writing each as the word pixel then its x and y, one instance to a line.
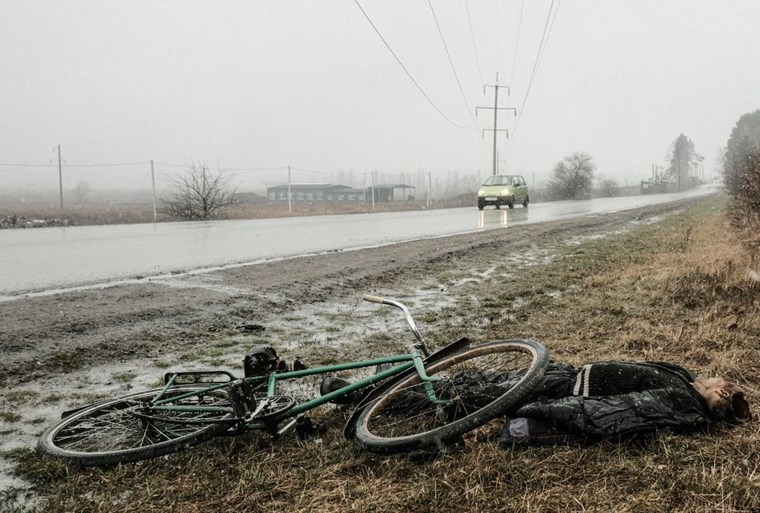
pixel 618 399
pixel 599 400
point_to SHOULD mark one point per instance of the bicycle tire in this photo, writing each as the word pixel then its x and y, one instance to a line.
pixel 404 419
pixel 112 432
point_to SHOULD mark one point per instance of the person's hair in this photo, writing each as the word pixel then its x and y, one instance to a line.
pixel 734 409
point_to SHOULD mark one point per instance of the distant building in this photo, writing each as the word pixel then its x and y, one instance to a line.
pixel 344 193
pixel 391 192
pixel 315 192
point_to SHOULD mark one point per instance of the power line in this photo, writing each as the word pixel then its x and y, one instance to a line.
pixel 404 68
pixel 30 165
pixel 166 164
pixel 109 165
pixel 466 103
pixel 280 168
pixel 517 42
pixel 551 27
pixel 541 47
pixel 472 36
pixel 313 171
pixel 451 63
pixel 318 172
pixel 480 75
pixel 254 169
pixel 123 164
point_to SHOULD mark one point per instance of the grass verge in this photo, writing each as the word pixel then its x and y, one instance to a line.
pixel 679 290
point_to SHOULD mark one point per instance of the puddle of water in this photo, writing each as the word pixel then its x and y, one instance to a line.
pixel 330 325
pixel 575 241
pixel 13 486
pixel 518 302
pixel 651 220
pixel 202 281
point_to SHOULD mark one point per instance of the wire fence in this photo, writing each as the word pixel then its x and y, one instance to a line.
pixel 138 182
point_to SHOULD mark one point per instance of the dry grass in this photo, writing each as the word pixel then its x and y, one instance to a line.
pixel 116 213
pixel 679 290
pixel 84 214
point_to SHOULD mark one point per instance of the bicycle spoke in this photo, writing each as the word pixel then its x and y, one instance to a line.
pixel 119 431
pixel 471 387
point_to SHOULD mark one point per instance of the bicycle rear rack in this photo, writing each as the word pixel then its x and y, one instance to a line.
pixel 196 377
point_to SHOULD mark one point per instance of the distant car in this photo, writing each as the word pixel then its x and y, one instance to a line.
pixel 506 190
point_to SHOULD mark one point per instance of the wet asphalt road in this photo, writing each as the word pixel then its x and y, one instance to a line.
pixel 47 259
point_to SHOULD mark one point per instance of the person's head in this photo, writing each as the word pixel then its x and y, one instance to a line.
pixel 725 401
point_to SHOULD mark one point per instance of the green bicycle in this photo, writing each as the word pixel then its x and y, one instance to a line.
pixel 412 401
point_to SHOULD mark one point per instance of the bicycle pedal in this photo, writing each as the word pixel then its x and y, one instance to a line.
pixel 331 384
pixel 304 428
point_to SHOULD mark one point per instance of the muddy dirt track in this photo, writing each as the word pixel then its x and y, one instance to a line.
pixel 44 336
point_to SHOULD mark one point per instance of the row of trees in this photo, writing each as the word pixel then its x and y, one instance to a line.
pixel 741 173
pixel 572 177
pixel 200 194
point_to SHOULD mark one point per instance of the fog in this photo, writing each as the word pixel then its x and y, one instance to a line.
pixel 255 87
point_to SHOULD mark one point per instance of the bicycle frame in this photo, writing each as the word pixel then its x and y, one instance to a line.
pixel 409 401
pixel 400 363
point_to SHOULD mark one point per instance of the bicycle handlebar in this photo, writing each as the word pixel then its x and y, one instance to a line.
pixel 407 315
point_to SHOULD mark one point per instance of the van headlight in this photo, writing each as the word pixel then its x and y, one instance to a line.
pixel 481 192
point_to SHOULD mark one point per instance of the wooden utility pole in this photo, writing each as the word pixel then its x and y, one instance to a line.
pixel 153 182
pixel 373 189
pixel 60 177
pixel 430 187
pixel 496 109
pixel 290 207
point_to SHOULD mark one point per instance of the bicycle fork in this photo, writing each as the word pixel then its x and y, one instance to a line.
pixel 417 350
pixel 427 381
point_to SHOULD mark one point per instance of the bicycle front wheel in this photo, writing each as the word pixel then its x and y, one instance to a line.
pixel 128 429
pixel 472 387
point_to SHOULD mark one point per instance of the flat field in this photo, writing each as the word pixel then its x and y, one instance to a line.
pixel 670 282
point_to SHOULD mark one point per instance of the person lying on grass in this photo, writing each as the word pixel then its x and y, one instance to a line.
pixel 612 399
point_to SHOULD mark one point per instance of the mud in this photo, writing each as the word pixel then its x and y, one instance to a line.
pixel 69 349
pixel 44 336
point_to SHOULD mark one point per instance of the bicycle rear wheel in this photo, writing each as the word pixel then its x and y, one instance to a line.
pixel 127 429
pixel 476 384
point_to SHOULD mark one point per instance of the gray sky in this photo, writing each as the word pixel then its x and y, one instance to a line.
pixel 265 84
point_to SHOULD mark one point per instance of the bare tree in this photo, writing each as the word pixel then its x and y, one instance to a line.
pixel 572 178
pixel 199 194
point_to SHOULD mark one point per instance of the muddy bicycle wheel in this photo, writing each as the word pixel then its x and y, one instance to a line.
pixel 473 387
pixel 127 429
